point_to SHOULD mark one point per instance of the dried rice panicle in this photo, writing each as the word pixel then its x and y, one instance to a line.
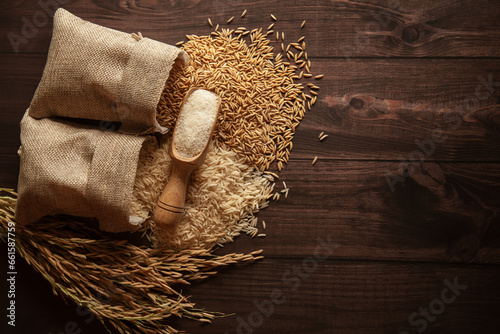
pixel 128 287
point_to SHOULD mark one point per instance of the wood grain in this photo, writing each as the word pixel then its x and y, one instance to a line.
pixel 453 220
pixel 340 28
pixel 351 297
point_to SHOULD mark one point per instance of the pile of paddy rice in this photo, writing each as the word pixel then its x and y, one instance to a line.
pixel 261 105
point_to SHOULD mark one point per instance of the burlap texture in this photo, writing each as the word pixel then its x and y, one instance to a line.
pixel 93 72
pixel 100 74
pixel 68 168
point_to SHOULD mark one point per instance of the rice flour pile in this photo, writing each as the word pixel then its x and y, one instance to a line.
pixel 193 127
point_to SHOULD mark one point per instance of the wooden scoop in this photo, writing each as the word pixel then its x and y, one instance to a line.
pixel 170 207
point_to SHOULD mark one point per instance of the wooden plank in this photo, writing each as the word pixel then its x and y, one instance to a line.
pixel 370 108
pixel 442 212
pixel 354 297
pixel 387 109
pixel 369 28
pixel 310 296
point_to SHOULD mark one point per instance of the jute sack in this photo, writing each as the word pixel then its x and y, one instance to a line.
pixel 93 72
pixel 69 168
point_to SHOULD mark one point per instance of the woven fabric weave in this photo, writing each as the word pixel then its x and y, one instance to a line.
pixel 94 72
pixel 67 167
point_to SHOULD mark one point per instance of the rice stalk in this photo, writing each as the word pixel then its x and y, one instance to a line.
pixel 128 287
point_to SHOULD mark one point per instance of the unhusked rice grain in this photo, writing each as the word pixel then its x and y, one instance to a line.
pixel 261 104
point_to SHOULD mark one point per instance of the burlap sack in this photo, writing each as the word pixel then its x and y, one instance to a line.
pixel 93 72
pixel 68 168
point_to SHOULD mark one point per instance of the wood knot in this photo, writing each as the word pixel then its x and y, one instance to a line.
pixel 357 103
pixel 428 174
pixel 410 34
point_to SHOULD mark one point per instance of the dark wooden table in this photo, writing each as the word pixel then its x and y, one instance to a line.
pixel 406 187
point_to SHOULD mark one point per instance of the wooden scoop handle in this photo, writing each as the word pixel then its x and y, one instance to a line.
pixel 171 204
